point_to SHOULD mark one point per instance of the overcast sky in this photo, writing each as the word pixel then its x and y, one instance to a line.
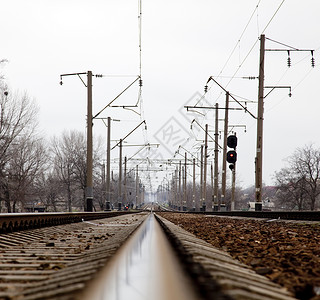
pixel 183 44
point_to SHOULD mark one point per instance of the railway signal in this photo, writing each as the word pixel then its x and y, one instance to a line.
pixel 231 156
pixel 232 141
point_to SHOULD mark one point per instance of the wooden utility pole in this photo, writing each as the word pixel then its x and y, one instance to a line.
pixel 176 188
pixel 205 167
pixel 258 160
pixel 216 155
pixel 180 196
pixel 137 187
pixel 201 178
pixel 120 176
pixel 89 181
pixel 185 183
pixel 125 181
pixel 108 206
pixel 194 185
pixel 224 158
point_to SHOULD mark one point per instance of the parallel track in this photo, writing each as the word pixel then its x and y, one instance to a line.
pixel 284 215
pixel 24 221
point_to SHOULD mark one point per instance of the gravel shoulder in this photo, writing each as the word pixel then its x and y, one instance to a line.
pixel 286 252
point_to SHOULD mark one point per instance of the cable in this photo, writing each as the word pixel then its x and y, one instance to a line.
pixel 273 17
pixel 140 30
pixel 238 42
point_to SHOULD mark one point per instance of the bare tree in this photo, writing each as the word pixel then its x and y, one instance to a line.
pixel 290 190
pixel 63 158
pixel 27 161
pixel 48 188
pixel 69 158
pixel 18 122
pixel 299 183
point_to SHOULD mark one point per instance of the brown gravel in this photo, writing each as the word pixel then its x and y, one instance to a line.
pixel 286 252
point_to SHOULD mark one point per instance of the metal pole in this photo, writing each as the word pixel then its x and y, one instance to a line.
pixel 233 187
pixel 216 156
pixel 89 181
pixel 108 206
pixel 205 168
pixel 258 162
pixel 120 176
pixel 224 159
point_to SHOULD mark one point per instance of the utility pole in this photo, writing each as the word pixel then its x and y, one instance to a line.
pixel 180 196
pixel 216 154
pixel 205 168
pixel 233 185
pixel 108 206
pixel 176 188
pixel 224 158
pixel 137 186
pixel 258 161
pixel 89 183
pixel 125 180
pixel 201 177
pixel 194 185
pixel 185 183
pixel 212 186
pixel 120 176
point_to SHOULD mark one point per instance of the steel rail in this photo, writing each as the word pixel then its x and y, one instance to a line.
pixel 146 267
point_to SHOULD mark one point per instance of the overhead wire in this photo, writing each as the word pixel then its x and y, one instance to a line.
pixel 241 35
pixel 250 50
pixel 265 28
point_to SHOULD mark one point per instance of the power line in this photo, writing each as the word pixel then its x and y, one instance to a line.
pixel 241 35
pixel 272 17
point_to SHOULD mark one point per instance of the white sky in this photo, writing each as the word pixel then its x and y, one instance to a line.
pixel 183 43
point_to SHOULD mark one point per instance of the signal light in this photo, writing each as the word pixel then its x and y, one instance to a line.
pixel 231 156
pixel 232 141
pixel 231 167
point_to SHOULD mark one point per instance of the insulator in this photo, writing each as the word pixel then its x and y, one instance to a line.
pixel 312 62
pixel 289 60
pixel 205 88
pixel 140 82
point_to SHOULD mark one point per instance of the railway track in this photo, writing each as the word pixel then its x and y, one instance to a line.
pixel 108 256
pixel 55 262
pixel 282 215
